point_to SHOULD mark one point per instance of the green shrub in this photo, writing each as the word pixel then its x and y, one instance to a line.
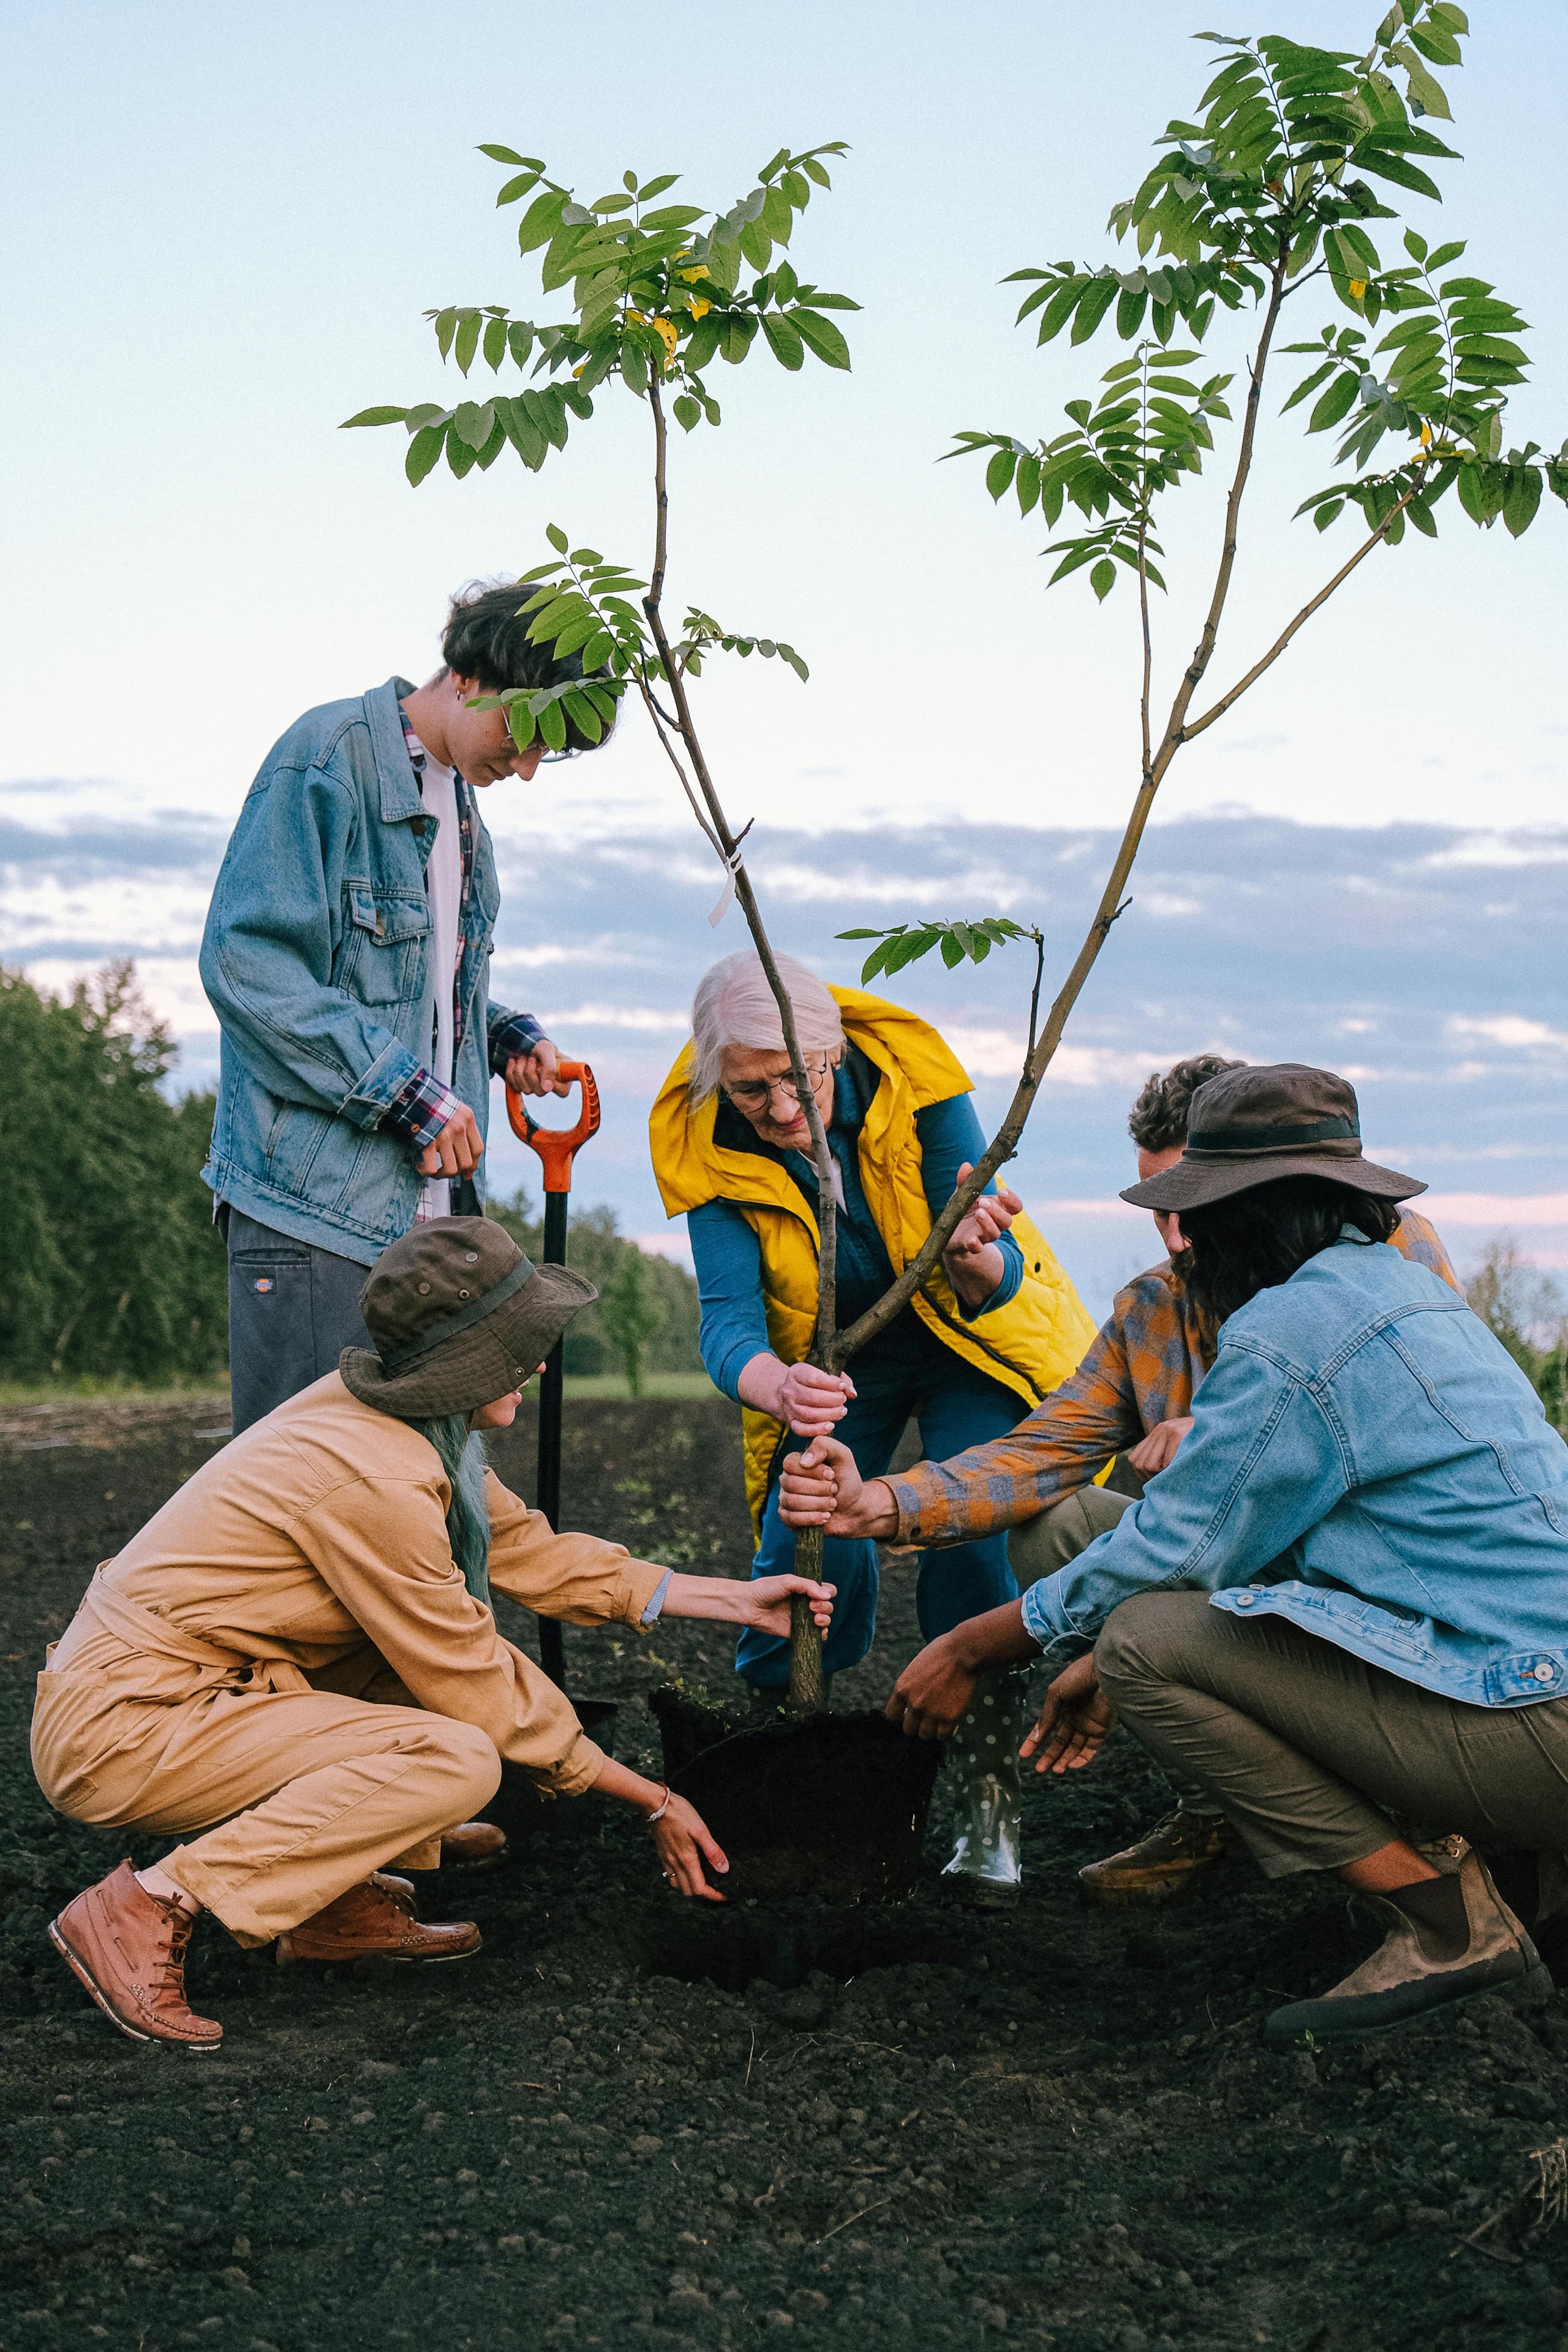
pixel 665 1302
pixel 110 1266
pixel 1525 1309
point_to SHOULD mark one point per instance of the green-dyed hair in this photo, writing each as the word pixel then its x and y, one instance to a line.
pixel 462 1454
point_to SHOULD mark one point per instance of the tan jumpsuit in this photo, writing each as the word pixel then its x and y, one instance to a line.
pixel 284 1667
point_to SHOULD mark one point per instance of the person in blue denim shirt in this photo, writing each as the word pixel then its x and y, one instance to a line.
pixel 346 955
pixel 1343 1607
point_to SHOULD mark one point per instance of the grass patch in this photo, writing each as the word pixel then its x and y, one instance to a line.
pixel 613 1385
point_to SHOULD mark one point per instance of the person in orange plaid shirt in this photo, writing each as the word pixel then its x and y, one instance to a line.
pixel 1128 1404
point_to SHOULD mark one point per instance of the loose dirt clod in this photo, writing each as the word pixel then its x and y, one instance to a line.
pixel 636 2124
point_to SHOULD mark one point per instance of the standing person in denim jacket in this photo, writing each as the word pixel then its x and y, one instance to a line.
pixel 1343 1607
pixel 346 955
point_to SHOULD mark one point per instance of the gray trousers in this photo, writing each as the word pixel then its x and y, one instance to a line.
pixel 1318 1758
pixel 1041 1546
pixel 292 1311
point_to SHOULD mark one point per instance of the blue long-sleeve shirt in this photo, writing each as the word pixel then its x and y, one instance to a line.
pixel 727 1254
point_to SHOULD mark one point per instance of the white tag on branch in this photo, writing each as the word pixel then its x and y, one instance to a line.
pixel 726 896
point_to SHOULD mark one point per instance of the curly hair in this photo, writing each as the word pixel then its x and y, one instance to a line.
pixel 1157 1120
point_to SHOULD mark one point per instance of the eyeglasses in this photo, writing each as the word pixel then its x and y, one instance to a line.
pixel 756 1093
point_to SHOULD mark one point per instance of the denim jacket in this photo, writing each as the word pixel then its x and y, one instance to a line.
pixel 315 960
pixel 1369 1463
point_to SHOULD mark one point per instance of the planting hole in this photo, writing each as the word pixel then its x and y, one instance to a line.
pixel 731 1953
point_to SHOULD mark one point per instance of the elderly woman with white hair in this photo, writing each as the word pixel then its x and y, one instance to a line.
pixel 997 1325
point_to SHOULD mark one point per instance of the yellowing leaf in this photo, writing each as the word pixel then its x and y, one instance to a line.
pixel 1358 288
pixel 697 306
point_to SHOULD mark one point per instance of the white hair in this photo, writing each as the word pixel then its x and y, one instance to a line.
pixel 734 1007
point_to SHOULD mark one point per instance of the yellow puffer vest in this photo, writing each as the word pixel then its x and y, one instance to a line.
pixel 1031 1344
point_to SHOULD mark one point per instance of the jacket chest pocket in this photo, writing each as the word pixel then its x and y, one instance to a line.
pixel 382 957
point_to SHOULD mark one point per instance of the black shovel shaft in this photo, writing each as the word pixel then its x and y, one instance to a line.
pixel 552 1649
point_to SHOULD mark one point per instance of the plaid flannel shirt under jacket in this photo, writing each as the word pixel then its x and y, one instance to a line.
pixel 1141 1370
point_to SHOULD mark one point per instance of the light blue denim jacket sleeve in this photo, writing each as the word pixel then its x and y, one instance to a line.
pixel 1259 1466
pixel 1367 1462
pixel 268 960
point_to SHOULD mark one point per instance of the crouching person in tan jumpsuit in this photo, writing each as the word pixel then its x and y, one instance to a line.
pixel 294 1669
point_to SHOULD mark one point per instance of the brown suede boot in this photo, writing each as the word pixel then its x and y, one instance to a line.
pixel 1163 1864
pixel 473 1842
pixel 367 1922
pixel 128 1947
pixel 1447 1938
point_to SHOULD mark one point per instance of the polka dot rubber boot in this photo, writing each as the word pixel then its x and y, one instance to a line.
pixel 982 1758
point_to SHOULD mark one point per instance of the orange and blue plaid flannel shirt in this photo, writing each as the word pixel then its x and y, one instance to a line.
pixel 1141 1370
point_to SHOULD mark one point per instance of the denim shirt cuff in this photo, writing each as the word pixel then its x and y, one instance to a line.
pixel 516 1033
pixel 373 1095
pixel 655 1599
pixel 1045 1621
pixel 421 1110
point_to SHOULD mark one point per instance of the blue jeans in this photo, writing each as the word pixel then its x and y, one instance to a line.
pixel 954 1406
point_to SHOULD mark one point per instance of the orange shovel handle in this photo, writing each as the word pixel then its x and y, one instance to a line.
pixel 557 1146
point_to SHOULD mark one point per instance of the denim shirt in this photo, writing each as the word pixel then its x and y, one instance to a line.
pixel 314 959
pixel 1367 1462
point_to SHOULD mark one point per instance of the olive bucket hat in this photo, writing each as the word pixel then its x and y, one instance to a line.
pixel 459 1317
pixel 1250 1125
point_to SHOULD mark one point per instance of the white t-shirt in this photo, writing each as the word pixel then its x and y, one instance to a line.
pixel 444 891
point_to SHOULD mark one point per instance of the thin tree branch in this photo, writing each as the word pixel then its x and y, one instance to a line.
pixel 1219 708
pixel 657 715
pixel 1035 996
pixel 1005 1141
pixel 823 1349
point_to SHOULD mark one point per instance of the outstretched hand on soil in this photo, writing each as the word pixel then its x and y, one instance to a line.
pixel 1074 1721
pixel 684 1840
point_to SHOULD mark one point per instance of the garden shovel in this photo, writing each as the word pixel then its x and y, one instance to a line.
pixel 557 1147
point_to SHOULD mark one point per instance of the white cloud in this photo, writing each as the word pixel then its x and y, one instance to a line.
pixel 1499 849
pixel 999 1054
pixel 612 1016
pixel 1509 1029
pixel 1495 1209
pixel 170 985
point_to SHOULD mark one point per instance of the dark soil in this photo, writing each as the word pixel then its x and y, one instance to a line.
pixel 630 2125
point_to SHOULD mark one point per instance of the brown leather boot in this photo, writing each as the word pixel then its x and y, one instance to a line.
pixel 1163 1864
pixel 1458 1939
pixel 400 1889
pixel 473 1842
pixel 369 1922
pixel 128 1947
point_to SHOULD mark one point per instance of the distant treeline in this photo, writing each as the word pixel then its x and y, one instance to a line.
pixel 110 1267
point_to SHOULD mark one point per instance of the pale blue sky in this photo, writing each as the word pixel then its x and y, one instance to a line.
pixel 225 223
pixel 222 226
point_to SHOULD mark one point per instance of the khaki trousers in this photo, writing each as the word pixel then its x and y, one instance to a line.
pixel 297 1793
pixel 1040 1547
pixel 1318 1758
